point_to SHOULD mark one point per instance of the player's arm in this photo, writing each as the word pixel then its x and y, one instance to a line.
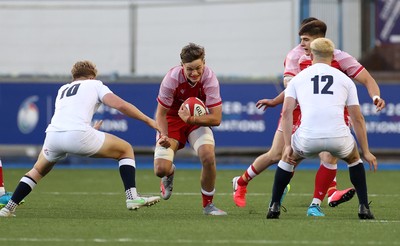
pixel 287 124
pixel 365 78
pixel 287 118
pixel 128 109
pixel 361 134
pixel 213 118
pixel 270 103
pixel 286 80
pixel 162 123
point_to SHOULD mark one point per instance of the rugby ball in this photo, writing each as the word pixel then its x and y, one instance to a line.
pixel 195 106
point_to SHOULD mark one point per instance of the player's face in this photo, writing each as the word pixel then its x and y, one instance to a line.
pixel 194 70
pixel 305 41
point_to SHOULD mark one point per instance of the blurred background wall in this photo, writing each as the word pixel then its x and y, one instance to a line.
pixel 134 43
pixel 247 38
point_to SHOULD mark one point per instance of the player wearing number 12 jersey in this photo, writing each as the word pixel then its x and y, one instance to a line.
pixel 296 60
pixel 322 93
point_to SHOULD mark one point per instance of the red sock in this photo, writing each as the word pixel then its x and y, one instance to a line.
pixel 250 173
pixel 242 182
pixel 207 198
pixel 2 189
pixel 323 180
pixel 332 187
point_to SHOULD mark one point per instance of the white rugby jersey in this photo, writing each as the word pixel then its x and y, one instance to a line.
pixel 322 92
pixel 76 104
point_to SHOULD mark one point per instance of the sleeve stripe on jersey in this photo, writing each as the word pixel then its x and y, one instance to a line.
pixel 290 74
pixel 357 72
pixel 214 105
pixel 164 105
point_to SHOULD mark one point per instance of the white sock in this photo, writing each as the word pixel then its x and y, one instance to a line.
pixel 316 201
pixel 2 191
pixel 131 193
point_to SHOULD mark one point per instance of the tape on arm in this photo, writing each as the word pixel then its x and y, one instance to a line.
pixel 286 80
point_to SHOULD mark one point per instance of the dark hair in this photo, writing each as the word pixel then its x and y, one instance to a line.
pixel 307 20
pixel 313 28
pixel 84 69
pixel 192 52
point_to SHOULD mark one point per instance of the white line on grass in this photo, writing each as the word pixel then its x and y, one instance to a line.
pixel 186 241
pixel 196 194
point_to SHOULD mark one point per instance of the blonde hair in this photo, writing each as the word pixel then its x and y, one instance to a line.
pixel 322 47
pixel 84 69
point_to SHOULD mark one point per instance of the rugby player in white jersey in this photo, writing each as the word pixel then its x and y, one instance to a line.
pixel 296 60
pixel 190 79
pixel 70 132
pixel 323 92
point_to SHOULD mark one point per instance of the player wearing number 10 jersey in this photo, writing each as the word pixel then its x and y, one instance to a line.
pixel 70 132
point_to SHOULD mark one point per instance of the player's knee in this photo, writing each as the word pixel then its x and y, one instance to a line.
pixel 207 158
pixel 163 153
pixel 121 149
pixel 163 158
pixel 160 170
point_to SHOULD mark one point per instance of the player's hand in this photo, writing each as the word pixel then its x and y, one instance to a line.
pixel 287 155
pixel 97 124
pixel 184 113
pixel 371 159
pixel 265 103
pixel 164 141
pixel 379 103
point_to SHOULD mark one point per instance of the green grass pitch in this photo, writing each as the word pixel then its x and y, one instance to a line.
pixel 87 207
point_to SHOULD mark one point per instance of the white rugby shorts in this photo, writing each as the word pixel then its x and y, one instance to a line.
pixel 84 143
pixel 339 147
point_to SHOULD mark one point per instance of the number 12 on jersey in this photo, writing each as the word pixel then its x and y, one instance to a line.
pixel 326 82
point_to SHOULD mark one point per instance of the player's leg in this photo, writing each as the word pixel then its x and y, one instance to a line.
pixel 4 198
pixel 116 148
pixel 261 163
pixel 283 175
pixel 202 141
pixel 26 184
pixel 265 160
pixel 2 189
pixel 325 181
pixel 164 167
pixel 358 179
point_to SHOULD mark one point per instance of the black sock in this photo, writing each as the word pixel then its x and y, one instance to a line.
pixel 23 189
pixel 357 177
pixel 282 179
pixel 127 173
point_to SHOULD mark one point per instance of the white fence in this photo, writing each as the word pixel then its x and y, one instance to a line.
pixel 243 38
